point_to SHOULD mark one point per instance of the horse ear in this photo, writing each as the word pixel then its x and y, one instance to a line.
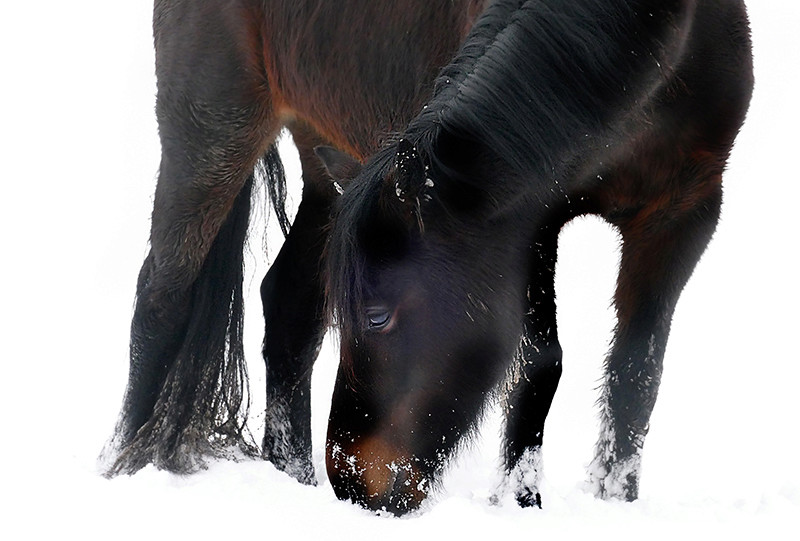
pixel 410 178
pixel 341 167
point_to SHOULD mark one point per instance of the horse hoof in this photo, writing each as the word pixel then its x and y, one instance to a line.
pixel 300 470
pixel 527 498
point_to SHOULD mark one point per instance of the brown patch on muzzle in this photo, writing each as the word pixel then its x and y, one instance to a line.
pixel 376 475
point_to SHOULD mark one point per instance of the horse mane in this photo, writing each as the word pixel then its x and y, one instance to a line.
pixel 535 86
pixel 344 257
pixel 538 83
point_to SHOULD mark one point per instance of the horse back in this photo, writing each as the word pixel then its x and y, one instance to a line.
pixel 358 71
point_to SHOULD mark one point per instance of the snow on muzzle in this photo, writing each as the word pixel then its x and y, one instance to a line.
pixel 375 474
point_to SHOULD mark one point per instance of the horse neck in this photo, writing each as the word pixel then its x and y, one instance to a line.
pixel 544 84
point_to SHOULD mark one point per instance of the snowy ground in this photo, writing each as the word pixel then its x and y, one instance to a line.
pixel 80 152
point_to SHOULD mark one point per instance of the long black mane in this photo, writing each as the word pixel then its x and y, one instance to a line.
pixel 535 86
pixel 536 81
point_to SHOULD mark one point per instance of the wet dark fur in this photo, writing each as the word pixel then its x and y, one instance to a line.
pixel 624 109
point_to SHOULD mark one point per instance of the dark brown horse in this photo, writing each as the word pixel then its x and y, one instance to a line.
pixel 230 75
pixel 443 251
pixel 440 260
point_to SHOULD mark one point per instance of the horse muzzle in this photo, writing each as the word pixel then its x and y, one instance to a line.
pixel 376 475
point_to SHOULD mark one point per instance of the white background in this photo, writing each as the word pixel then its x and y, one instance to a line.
pixel 79 150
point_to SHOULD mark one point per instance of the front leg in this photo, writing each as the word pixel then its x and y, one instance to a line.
pixel 533 383
pixel 293 297
pixel 293 310
pixel 658 256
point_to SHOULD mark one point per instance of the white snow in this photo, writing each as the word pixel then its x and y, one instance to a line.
pixel 80 153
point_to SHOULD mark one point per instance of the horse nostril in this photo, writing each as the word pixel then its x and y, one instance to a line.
pixel 408 491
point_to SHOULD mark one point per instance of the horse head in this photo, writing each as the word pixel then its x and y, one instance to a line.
pixel 429 308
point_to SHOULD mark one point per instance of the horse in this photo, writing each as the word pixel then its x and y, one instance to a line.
pixel 230 76
pixel 439 267
pixel 439 259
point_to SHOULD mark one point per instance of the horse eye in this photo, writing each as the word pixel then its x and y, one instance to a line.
pixel 379 318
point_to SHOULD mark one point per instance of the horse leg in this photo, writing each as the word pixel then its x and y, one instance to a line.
pixel 293 297
pixel 661 244
pixel 533 385
pixel 187 382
